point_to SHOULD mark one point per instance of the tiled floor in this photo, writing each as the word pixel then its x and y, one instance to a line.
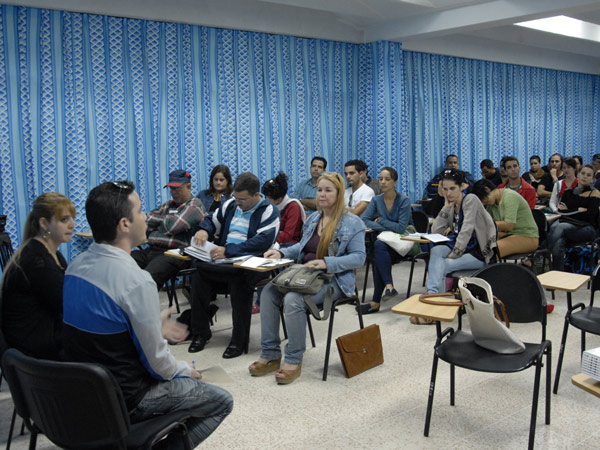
pixel 385 407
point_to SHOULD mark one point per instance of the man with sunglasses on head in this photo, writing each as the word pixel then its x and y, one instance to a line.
pixel 432 191
pixel 170 226
pixel 111 317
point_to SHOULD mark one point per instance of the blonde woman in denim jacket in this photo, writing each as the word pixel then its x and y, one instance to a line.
pixel 333 240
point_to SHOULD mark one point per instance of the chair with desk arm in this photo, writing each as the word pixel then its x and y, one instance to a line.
pixel 524 299
pixel 542 251
pixel 585 318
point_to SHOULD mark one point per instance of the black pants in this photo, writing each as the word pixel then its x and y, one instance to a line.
pixel 212 279
pixel 159 265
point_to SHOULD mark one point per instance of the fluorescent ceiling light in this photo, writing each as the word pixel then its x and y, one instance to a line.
pixel 566 26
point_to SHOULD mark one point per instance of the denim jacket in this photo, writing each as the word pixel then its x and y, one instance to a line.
pixel 208 199
pixel 346 251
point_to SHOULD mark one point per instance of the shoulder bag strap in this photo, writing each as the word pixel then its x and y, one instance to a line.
pixel 425 298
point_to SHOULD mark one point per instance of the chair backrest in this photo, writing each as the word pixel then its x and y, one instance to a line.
pixel 595 286
pixel 519 289
pixel 6 250
pixel 542 224
pixel 74 404
pixel 420 221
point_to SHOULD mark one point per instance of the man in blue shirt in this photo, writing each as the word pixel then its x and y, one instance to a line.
pixel 306 191
pixel 112 318
pixel 246 224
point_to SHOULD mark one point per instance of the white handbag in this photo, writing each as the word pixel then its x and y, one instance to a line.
pixel 486 330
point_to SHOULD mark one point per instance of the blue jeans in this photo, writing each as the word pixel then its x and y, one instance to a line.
pixel 439 266
pixel 294 311
pixel 383 259
pixel 562 233
pixel 208 406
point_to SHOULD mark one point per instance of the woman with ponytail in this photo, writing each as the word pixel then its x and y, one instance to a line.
pixel 333 240
pixel 33 279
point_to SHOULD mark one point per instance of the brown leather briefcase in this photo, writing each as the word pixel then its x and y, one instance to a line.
pixel 360 350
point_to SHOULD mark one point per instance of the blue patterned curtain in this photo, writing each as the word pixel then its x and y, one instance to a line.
pixel 480 109
pixel 88 98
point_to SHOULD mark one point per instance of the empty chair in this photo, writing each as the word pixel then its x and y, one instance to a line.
pixel 80 406
pixel 586 318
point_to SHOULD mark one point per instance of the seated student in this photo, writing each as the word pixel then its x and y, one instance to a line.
pixel 111 317
pixel 535 174
pixel 596 166
pixel 517 230
pixel 170 226
pixel 569 169
pixel 433 190
pixel 582 226
pixel 516 182
pixel 306 190
pixel 373 184
pixel 246 224
pixel 489 172
pixel 219 188
pixel 358 195
pixel 32 284
pixel 469 227
pixel 389 211
pixel 554 173
pixel 291 211
pixel 333 240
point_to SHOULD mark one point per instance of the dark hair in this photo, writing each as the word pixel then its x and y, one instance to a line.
pixel 392 172
pixel 221 168
pixel 596 157
pixel 247 181
pixel 451 155
pixel 453 175
pixel 570 162
pixel 509 158
pixel 277 187
pixel 535 157
pixel 319 158
pixel 359 165
pixel 589 166
pixel 578 159
pixel 486 163
pixel 106 205
pixel 556 154
pixel 482 188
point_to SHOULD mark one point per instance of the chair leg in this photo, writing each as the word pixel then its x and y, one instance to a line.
pixel 328 348
pixel 33 440
pixel 310 330
pixel 11 429
pixel 582 342
pixel 360 316
pixel 452 380
pixel 410 277
pixel 425 272
pixel 431 392
pixel 534 404
pixel 366 279
pixel 285 335
pixel 548 382
pixel 561 352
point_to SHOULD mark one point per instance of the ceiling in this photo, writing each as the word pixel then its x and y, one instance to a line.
pixel 481 29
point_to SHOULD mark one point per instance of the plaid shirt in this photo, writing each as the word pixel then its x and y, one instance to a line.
pixel 169 225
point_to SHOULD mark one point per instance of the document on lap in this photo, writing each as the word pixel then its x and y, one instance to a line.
pixel 203 253
pixel 433 237
pixel 257 261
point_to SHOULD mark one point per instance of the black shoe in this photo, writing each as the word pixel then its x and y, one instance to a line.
pixel 233 351
pixel 365 308
pixel 389 294
pixel 197 344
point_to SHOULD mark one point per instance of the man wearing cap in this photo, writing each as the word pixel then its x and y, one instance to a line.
pixel 169 226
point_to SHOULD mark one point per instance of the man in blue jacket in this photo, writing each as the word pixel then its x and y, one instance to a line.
pixel 112 318
pixel 246 224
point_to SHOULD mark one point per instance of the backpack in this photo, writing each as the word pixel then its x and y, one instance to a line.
pixel 581 259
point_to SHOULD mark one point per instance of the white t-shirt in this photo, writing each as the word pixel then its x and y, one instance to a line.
pixel 362 194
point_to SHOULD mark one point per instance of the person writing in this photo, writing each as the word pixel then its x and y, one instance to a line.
pixel 389 211
pixel 579 226
pixel 333 240
pixel 32 284
pixel 470 229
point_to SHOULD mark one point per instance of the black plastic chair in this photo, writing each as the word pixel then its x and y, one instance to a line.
pixel 523 297
pixel 341 301
pixel 171 286
pixel 542 250
pixel 586 318
pixel 80 406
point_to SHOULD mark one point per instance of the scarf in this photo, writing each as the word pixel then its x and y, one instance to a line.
pixel 537 176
